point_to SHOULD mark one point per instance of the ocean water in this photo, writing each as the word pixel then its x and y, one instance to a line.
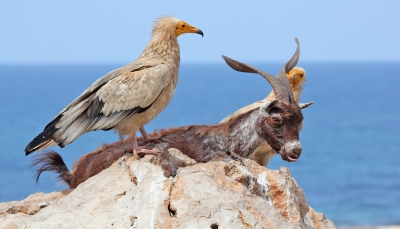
pixel 349 168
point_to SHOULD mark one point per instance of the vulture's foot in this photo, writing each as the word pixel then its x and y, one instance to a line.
pixel 148 139
pixel 142 150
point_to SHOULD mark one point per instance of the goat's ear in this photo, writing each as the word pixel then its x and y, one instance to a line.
pixel 267 105
pixel 305 105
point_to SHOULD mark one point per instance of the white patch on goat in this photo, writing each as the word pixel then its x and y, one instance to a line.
pixel 217 142
pixel 220 140
pixel 246 135
pixel 289 146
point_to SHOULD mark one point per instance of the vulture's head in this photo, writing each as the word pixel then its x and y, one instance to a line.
pixel 174 26
pixel 297 77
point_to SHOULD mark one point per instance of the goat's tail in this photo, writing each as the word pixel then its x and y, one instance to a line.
pixel 52 161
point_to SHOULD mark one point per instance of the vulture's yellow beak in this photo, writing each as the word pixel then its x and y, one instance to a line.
pixel 183 27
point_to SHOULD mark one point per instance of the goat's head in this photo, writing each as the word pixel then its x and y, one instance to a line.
pixel 279 120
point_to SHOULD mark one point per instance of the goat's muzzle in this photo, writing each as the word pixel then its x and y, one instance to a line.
pixel 291 151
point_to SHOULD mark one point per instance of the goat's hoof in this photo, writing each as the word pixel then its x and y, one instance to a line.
pixel 237 159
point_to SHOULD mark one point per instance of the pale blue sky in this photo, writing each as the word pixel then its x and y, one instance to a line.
pixel 49 31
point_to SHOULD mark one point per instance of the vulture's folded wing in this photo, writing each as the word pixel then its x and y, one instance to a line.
pixel 137 65
pixel 134 89
pixel 105 104
pixel 118 99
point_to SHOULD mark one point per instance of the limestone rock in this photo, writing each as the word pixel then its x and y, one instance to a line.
pixel 373 227
pixel 172 191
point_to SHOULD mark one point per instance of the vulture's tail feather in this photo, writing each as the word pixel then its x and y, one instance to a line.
pixel 44 139
pixel 52 161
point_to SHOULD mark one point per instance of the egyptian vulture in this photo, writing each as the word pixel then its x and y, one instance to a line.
pixel 124 99
pixel 262 154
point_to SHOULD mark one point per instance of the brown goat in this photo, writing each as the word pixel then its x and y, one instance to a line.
pixel 276 122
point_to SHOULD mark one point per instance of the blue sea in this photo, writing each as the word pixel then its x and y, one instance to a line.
pixel 349 168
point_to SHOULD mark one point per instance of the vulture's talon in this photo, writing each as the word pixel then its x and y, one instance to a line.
pixel 140 150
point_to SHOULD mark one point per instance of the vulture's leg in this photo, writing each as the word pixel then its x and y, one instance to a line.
pixel 147 138
pixel 137 149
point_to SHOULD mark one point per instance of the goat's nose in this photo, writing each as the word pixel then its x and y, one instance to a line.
pixel 297 151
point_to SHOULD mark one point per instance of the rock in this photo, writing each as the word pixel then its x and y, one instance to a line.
pixel 317 220
pixel 172 191
pixel 373 227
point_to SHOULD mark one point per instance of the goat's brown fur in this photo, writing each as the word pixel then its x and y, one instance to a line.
pixel 86 167
pixel 52 161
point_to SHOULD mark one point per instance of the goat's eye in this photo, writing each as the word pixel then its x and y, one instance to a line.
pixel 276 120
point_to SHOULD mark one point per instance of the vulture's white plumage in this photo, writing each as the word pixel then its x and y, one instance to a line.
pixel 124 99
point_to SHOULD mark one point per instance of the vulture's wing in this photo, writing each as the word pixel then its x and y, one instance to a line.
pixel 110 100
pixel 115 101
pixel 134 66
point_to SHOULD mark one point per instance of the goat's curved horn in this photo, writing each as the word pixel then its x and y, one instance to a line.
pixel 242 67
pixel 239 66
pixel 295 58
pixel 284 91
pixel 280 84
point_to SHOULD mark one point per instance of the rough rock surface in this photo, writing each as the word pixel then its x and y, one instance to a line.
pixel 228 192
pixel 373 227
